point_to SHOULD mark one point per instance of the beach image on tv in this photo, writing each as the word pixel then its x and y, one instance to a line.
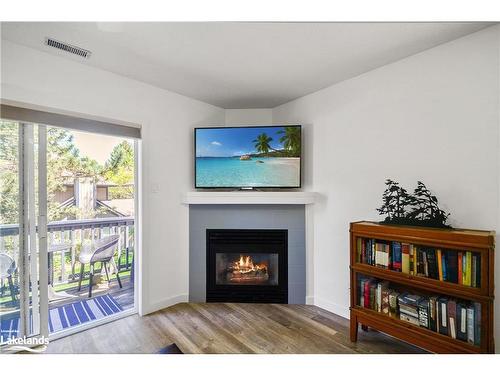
pixel 248 157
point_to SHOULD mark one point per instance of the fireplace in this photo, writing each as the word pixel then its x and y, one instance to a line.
pixel 247 265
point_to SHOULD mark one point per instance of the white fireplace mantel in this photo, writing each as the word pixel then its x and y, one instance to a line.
pixel 249 197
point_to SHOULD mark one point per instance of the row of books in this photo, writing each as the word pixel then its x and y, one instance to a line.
pixel 458 319
pixel 460 267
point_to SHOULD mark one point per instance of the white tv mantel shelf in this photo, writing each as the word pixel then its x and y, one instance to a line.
pixel 249 197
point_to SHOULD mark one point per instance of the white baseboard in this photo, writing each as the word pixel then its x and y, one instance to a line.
pixel 164 303
pixel 309 300
pixel 333 307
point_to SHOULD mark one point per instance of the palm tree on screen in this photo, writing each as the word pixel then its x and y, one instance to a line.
pixel 291 139
pixel 262 143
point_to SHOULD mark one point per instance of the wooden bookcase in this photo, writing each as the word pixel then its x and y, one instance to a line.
pixel 480 242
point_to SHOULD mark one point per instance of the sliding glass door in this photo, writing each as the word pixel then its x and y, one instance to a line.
pixel 67 226
pixel 23 233
pixel 91 230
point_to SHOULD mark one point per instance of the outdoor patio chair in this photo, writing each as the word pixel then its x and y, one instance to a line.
pixel 7 269
pixel 101 250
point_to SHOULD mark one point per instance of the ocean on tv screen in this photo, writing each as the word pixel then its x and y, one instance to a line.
pixel 248 157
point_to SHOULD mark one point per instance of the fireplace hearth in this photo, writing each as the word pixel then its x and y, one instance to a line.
pixel 247 265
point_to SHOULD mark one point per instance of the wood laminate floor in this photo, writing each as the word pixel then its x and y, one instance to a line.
pixel 231 328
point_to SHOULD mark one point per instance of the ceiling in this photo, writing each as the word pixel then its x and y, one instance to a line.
pixel 239 65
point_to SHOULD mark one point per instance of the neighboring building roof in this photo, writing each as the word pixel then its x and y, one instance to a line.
pixel 124 206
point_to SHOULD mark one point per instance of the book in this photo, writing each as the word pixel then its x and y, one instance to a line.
pixel 440 265
pixel 409 319
pixel 443 316
pixel 478 271
pixel 384 285
pixel 432 264
pixel 359 242
pixel 477 323
pixel 444 265
pixel 408 309
pixel 393 304
pixel 470 325
pixel 366 251
pixel 452 266
pixel 373 295
pixel 396 256
pixel 423 313
pixel 464 269
pixel 378 298
pixel 366 294
pixel 405 258
pixel 461 321
pixel 412 260
pixel 420 263
pixel 425 263
pixel 385 299
pixel 409 299
pixel 408 304
pixel 382 255
pixel 473 271
pixel 361 292
pixel 459 265
pixel 372 252
pixel 452 318
pixel 369 251
pixel 438 315
pixel 432 313
pixel 468 265
pixel 387 249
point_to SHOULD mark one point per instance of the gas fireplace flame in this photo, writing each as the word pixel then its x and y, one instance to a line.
pixel 246 270
pixel 246 265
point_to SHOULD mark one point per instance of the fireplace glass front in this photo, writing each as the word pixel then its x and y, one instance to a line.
pixel 246 269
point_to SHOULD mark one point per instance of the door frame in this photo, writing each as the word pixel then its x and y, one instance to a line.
pixel 21 112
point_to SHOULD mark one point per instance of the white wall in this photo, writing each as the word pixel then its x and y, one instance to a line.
pixel 167 120
pixel 432 117
pixel 252 116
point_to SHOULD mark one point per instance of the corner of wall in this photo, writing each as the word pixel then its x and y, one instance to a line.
pixel 249 116
pixel 163 304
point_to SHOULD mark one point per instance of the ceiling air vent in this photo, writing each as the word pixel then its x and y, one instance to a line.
pixel 85 53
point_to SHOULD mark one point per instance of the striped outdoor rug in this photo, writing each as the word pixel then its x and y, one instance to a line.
pixel 70 315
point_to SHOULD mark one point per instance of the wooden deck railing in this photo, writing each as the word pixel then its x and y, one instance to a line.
pixel 65 239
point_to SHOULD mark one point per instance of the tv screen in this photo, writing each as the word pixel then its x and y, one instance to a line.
pixel 248 157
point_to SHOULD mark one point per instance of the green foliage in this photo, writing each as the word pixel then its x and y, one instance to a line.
pixel 9 185
pixel 262 143
pixel 64 164
pixel 119 168
pixel 291 140
pixel 8 198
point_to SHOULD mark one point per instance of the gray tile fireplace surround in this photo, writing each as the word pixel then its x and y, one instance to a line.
pixel 291 217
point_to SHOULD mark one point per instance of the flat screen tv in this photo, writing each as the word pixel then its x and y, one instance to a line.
pixel 248 157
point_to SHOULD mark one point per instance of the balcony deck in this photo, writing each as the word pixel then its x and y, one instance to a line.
pixel 65 239
pixel 124 296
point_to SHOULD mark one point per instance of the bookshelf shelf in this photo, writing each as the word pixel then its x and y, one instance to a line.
pixel 435 342
pixel 424 283
pixel 480 243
